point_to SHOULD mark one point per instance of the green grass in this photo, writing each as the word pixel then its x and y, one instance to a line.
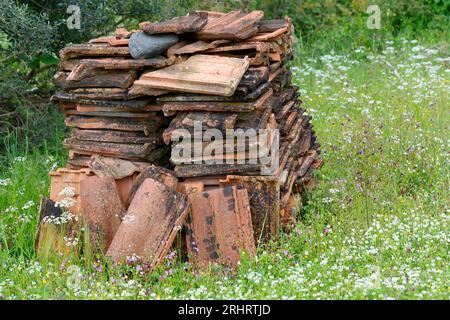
pixel 377 226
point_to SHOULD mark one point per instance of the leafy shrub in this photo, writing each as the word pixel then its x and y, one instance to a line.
pixel 32 32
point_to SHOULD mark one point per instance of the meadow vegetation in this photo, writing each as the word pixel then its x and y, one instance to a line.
pixel 377 226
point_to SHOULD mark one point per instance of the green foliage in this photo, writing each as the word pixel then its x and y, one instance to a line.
pixel 28 33
pixel 379 110
pixel 376 227
pixel 26 39
pixel 32 32
pixel 341 24
pixel 101 17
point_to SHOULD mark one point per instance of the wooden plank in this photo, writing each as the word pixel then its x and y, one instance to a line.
pixel 199 74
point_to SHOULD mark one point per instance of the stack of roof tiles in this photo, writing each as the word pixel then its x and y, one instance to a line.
pixel 127 99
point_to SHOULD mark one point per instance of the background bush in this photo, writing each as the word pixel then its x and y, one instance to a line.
pixel 32 32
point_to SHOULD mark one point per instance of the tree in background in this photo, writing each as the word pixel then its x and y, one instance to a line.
pixel 33 31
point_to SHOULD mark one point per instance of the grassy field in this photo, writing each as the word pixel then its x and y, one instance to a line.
pixel 376 227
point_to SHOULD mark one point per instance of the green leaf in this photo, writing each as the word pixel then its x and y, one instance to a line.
pixel 33 64
pixel 49 59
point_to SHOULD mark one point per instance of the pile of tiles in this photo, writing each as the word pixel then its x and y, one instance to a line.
pixel 130 99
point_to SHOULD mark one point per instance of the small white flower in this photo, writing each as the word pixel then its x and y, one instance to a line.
pixel 67 192
pixel 5 182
